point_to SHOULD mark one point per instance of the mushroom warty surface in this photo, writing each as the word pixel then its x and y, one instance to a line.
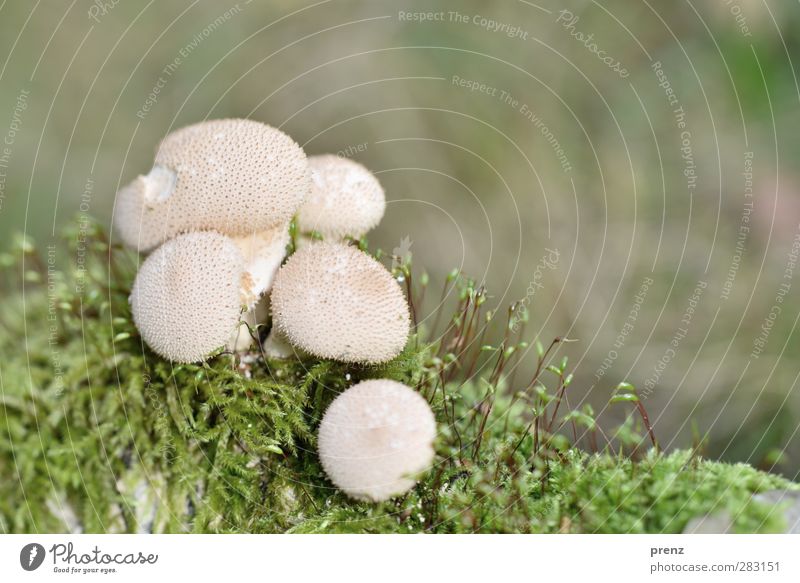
pixel 335 301
pixel 345 199
pixel 185 299
pixel 234 176
pixel 375 437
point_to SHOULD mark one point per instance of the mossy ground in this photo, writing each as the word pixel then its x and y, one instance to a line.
pixel 98 434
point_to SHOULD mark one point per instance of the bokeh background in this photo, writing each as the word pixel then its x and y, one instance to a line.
pixel 625 169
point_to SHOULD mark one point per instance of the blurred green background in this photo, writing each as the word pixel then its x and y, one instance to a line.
pixel 507 146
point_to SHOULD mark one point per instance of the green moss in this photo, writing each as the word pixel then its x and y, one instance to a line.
pixel 97 433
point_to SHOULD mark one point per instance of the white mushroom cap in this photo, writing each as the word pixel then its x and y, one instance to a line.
pixel 345 199
pixel 234 176
pixel 185 299
pixel 263 254
pixel 375 437
pixel 334 301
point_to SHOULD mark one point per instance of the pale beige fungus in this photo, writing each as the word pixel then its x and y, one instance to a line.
pixel 185 299
pixel 345 199
pixel 234 176
pixel 375 438
pixel 335 301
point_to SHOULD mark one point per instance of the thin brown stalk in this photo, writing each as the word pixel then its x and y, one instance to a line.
pixel 647 424
pixel 440 308
pixel 410 294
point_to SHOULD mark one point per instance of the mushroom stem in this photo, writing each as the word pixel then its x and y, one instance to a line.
pixel 375 438
pixel 276 347
pixel 242 339
pixel 263 254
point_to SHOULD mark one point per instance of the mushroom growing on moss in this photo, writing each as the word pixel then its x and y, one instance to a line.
pixel 345 199
pixel 234 176
pixel 375 437
pixel 334 301
pixel 276 347
pixel 263 254
pixel 185 300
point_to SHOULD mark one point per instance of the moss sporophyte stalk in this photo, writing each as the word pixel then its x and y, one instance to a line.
pixel 134 443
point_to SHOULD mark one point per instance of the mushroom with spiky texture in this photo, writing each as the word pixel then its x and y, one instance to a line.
pixel 375 438
pixel 234 176
pixel 185 300
pixel 345 199
pixel 335 301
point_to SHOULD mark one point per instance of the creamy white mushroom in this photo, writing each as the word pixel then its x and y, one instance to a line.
pixel 335 301
pixel 345 199
pixel 186 297
pixel 263 254
pixel 234 176
pixel 275 346
pixel 375 438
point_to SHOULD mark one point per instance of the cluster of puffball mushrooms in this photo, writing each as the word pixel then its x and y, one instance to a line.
pixel 214 213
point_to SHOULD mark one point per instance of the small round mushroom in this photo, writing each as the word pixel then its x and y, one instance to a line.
pixel 334 301
pixel 234 176
pixel 375 438
pixel 185 299
pixel 345 199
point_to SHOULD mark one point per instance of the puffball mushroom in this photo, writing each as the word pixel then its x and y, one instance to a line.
pixel 185 299
pixel 334 301
pixel 242 339
pixel 345 199
pixel 375 437
pixel 234 176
